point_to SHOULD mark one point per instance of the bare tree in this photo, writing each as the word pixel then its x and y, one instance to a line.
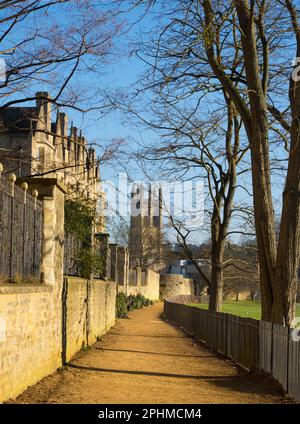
pixel 242 275
pixel 54 46
pixel 190 146
pixel 213 149
pixel 42 49
pixel 261 36
pixel 278 266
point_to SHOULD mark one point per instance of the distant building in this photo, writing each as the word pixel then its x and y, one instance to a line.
pixel 187 268
pixel 145 233
pixel 32 145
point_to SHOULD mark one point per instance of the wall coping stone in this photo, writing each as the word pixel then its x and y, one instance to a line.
pixel 25 288
pixel 83 280
pixel 43 185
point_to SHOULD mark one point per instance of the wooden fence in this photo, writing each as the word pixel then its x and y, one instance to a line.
pixel 250 343
pixel 279 355
pixel 21 221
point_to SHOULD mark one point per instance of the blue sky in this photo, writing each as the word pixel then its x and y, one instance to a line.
pixel 120 74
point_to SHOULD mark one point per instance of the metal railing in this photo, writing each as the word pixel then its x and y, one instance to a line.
pixel 21 221
pixel 72 247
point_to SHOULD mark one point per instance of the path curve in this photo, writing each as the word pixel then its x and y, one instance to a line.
pixel 146 360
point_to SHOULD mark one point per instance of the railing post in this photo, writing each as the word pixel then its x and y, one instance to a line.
pixel 113 262
pixel 138 271
pixel 103 239
pixel 35 194
pixel 51 192
pixel 1 170
pixel 25 188
pixel 123 267
pixel 12 179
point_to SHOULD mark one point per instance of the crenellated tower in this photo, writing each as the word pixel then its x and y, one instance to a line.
pixel 145 233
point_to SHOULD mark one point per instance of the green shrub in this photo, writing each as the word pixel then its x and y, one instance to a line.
pixel 121 306
pixel 125 304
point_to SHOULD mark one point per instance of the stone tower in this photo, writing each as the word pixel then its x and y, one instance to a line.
pixel 145 233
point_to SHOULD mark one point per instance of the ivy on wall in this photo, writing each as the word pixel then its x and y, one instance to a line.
pixel 80 217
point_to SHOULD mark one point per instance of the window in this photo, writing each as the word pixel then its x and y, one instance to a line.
pixel 40 154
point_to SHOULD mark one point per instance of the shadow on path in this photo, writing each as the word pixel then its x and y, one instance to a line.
pixel 155 353
pixel 147 360
pixel 148 335
pixel 152 373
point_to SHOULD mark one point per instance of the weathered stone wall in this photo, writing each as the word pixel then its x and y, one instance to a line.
pixel 31 316
pixel 242 295
pixel 75 316
pixel 102 309
pixel 32 343
pixel 150 289
pixel 89 310
pixel 175 284
pixel 43 326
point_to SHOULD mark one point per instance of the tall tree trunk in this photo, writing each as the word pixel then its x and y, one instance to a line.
pixel 278 271
pixel 283 311
pixel 264 224
pixel 217 283
pixel 256 124
pixel 289 236
pixel 217 271
pixel 261 177
pixel 223 204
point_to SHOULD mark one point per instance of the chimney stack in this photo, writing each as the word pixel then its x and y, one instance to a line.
pixel 43 106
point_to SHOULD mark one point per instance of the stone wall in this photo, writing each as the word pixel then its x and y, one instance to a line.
pixel 31 315
pixel 43 326
pixel 89 312
pixel 30 343
pixel 74 317
pixel 150 289
pixel 241 295
pixel 38 337
pixel 175 284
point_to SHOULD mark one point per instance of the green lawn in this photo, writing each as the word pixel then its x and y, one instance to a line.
pixel 245 309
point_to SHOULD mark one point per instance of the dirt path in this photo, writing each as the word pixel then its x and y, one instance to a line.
pixel 146 360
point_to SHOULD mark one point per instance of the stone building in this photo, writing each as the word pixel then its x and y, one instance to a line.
pixel 32 144
pixel 145 233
